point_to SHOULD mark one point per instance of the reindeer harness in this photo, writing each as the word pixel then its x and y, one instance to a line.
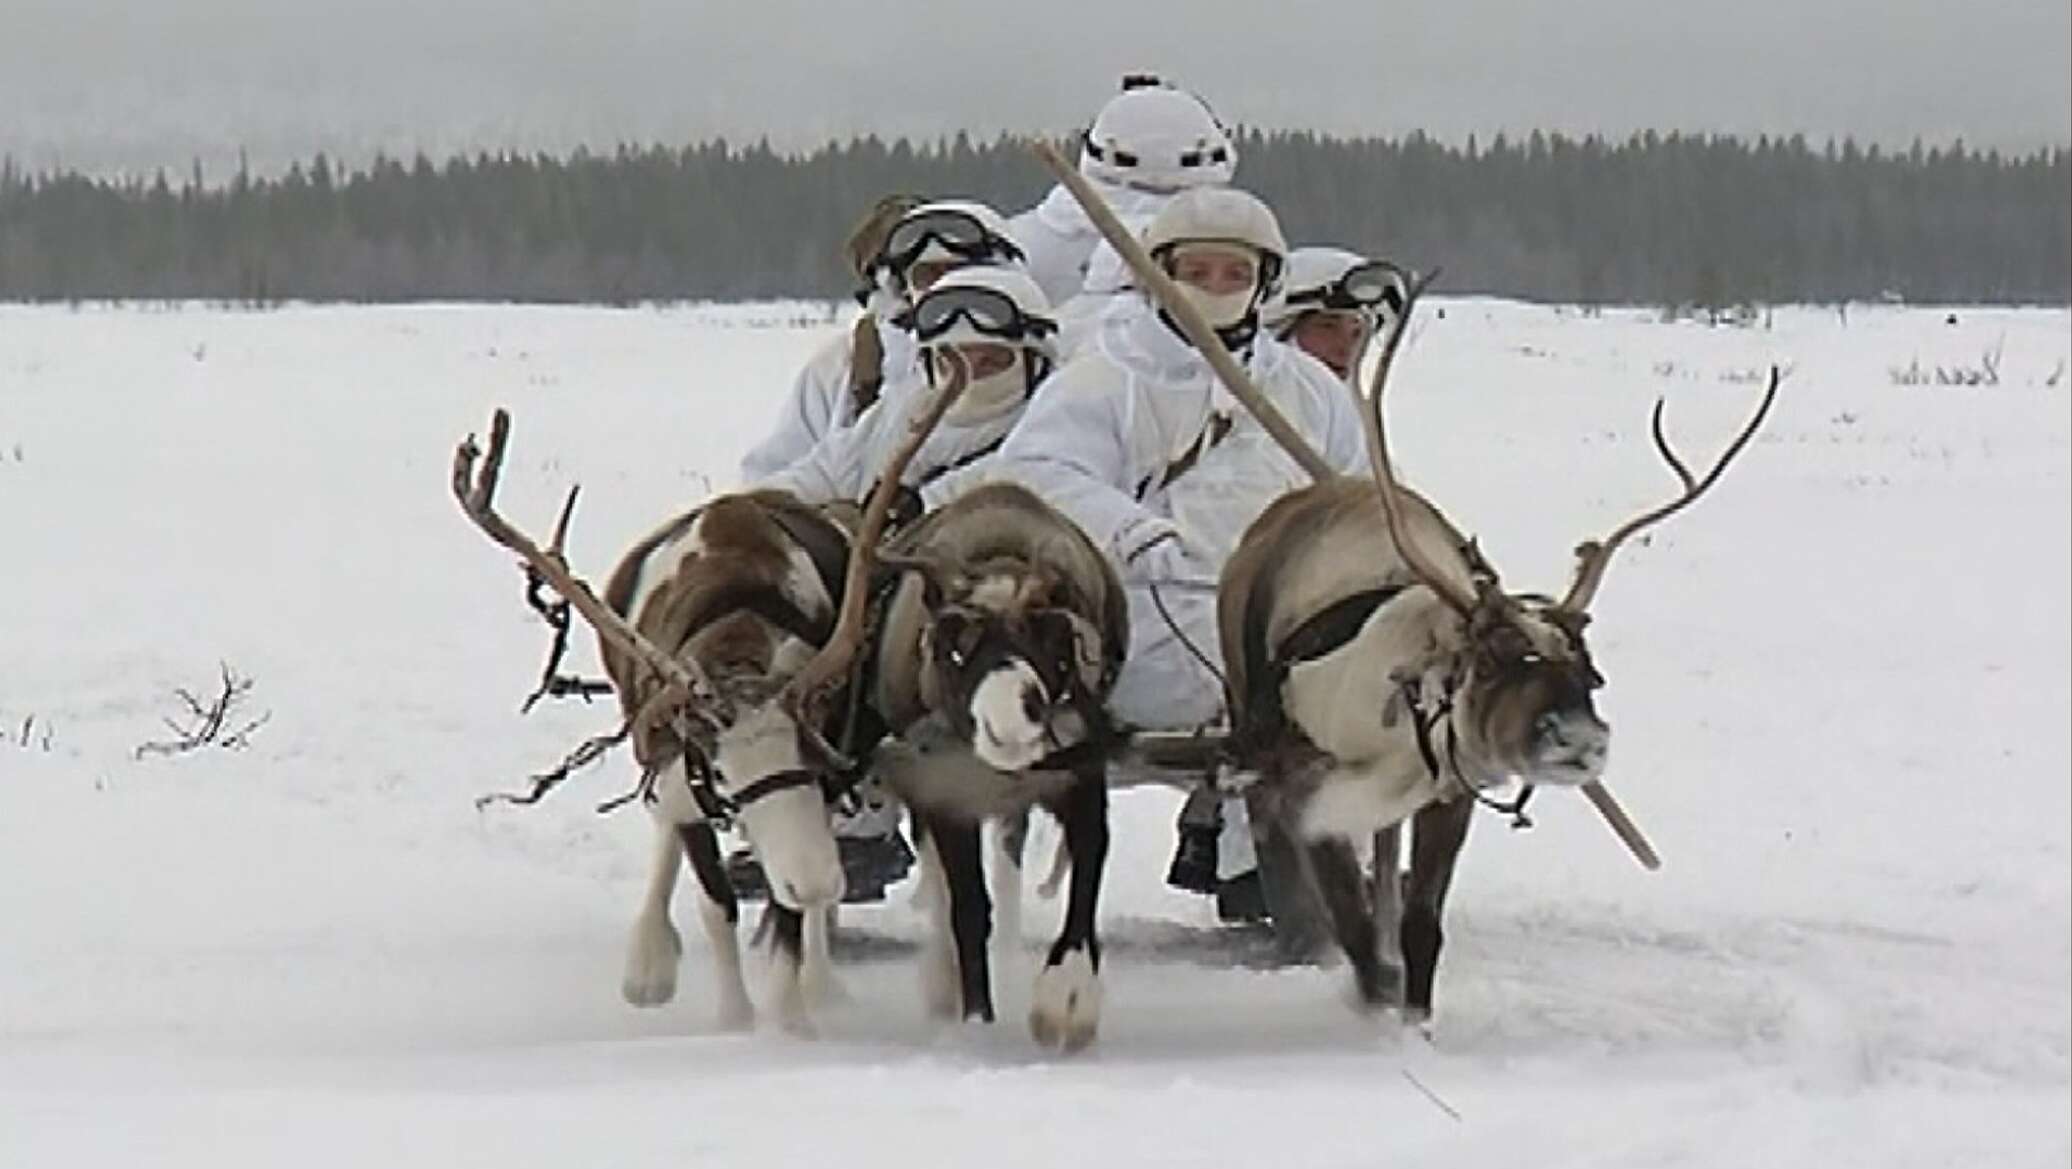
pixel 1329 629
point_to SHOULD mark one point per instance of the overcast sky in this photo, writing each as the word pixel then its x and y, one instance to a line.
pixel 137 83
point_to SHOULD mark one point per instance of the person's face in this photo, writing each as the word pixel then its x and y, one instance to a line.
pixel 1216 269
pixel 922 276
pixel 1333 337
pixel 984 360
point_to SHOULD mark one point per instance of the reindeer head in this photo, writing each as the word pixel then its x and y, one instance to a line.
pixel 1518 671
pixel 751 761
pixel 1521 681
pixel 1009 658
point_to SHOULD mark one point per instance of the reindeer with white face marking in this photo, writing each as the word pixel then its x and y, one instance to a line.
pixel 722 632
pixel 1379 671
pixel 993 663
pixel 745 586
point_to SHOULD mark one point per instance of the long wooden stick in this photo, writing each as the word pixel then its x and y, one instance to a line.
pixel 1637 843
pixel 1185 315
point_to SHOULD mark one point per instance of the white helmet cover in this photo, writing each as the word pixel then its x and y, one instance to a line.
pixel 996 245
pixel 1157 138
pixel 1012 282
pixel 1221 215
pixel 1309 270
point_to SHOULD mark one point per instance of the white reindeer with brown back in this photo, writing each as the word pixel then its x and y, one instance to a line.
pixel 1379 671
pixel 725 633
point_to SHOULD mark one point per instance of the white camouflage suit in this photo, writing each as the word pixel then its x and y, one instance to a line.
pixel 821 403
pixel 846 462
pixel 1103 433
pixel 1076 268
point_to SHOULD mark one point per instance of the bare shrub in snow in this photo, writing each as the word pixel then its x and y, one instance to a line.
pixel 1986 372
pixel 32 737
pixel 1750 375
pixel 208 722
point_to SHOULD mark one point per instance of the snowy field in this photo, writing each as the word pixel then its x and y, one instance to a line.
pixel 1839 688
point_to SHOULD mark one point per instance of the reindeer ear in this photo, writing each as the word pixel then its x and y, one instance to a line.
pixel 1570 621
pixel 939 582
pixel 1053 587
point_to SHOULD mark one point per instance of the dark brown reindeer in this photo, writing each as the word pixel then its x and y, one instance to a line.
pixel 1379 671
pixel 993 665
pixel 725 632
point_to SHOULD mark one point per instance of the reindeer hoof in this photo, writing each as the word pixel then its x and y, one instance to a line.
pixel 736 1015
pixel 818 982
pixel 792 1016
pixel 650 979
pixel 1066 1012
pixel 1417 1020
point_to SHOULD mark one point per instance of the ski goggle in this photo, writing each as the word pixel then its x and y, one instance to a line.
pixel 956 232
pixel 1364 287
pixel 989 313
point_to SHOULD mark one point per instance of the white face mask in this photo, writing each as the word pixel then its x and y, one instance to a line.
pixel 988 397
pixel 1221 309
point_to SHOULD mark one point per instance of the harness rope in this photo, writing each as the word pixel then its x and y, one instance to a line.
pixel 1336 624
pixel 1422 722
pixel 1222 682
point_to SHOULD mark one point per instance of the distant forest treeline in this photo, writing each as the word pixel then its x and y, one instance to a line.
pixel 1655 219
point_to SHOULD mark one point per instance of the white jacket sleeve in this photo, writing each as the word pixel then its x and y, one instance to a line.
pixel 1073 448
pixel 818 403
pixel 837 467
pixel 947 486
pixel 1340 435
pixel 1056 259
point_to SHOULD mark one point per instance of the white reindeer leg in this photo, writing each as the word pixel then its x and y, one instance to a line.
pixel 655 949
pixel 1065 1010
pixel 1388 894
pixel 940 993
pixel 1009 839
pixel 787 962
pixel 1060 868
pixel 720 913
pixel 817 975
pixel 736 1012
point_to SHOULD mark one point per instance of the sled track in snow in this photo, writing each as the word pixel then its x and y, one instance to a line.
pixel 1828 997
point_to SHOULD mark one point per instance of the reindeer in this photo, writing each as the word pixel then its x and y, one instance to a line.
pixel 742 587
pixel 723 632
pixel 993 662
pixel 1379 672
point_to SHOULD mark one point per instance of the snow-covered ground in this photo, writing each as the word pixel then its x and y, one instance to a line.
pixel 1839 687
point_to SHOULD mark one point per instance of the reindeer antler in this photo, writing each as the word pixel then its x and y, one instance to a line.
pixel 807 687
pixel 476 493
pixel 1594 555
pixel 1371 420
